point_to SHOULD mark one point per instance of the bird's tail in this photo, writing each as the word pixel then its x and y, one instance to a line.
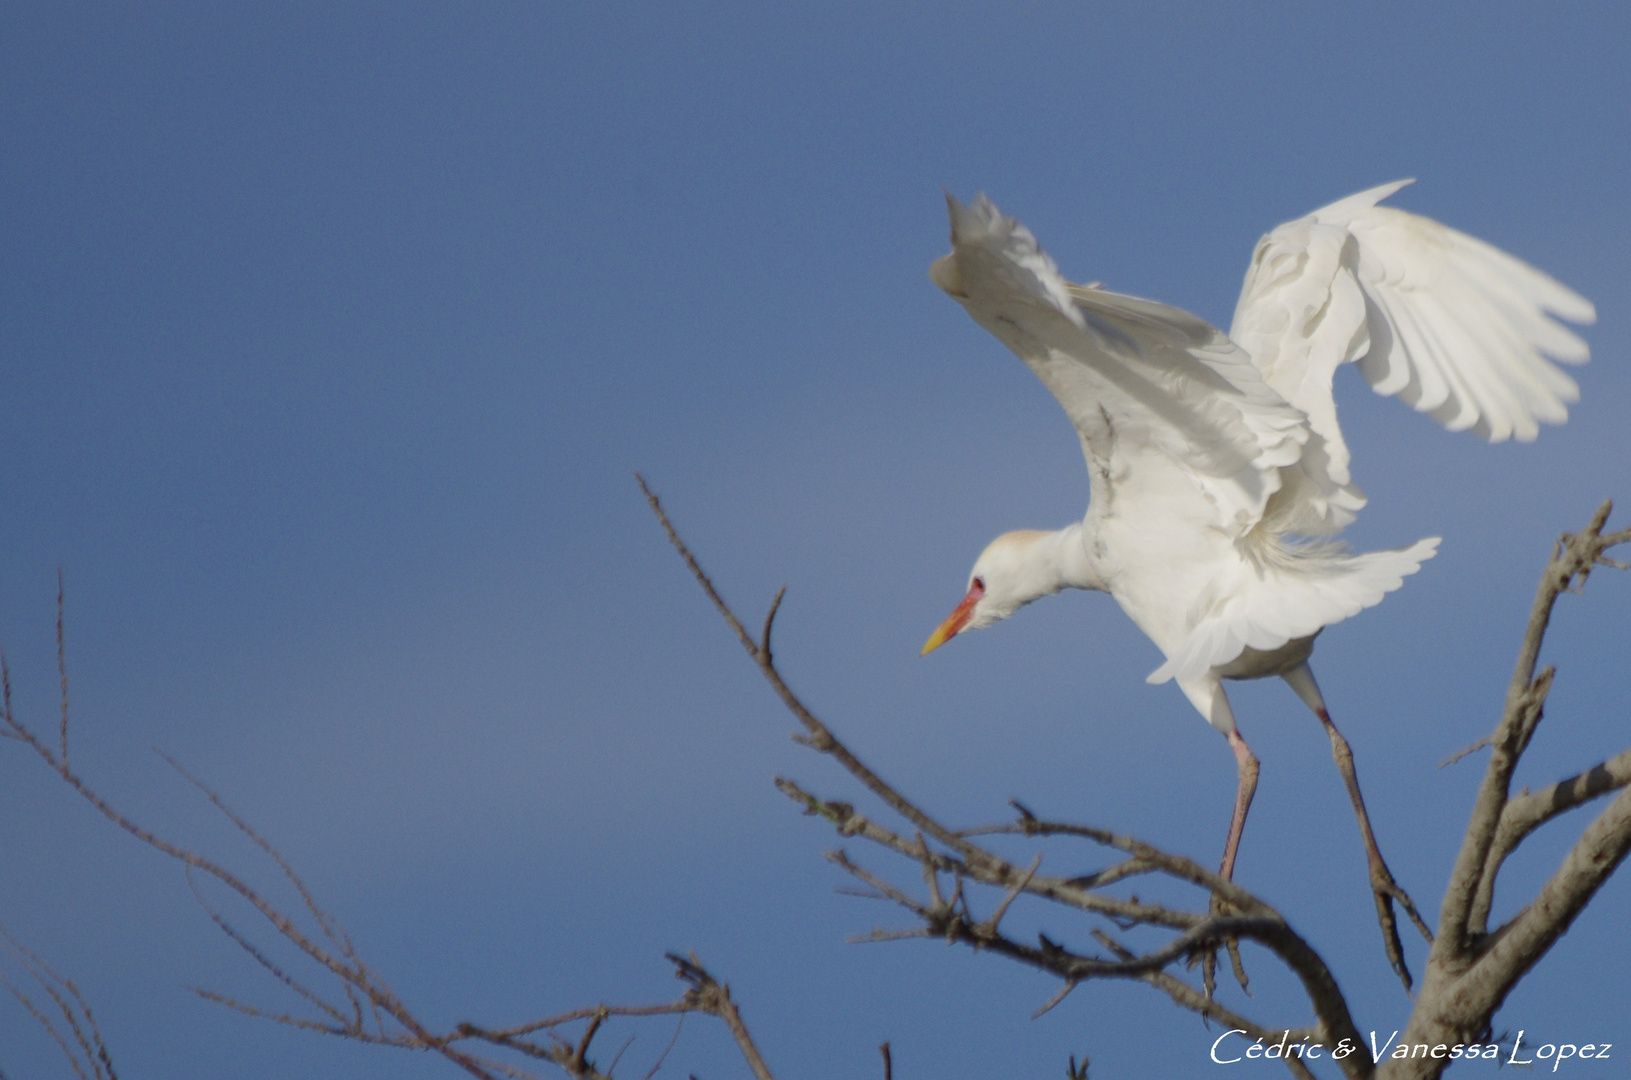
pixel 1294 596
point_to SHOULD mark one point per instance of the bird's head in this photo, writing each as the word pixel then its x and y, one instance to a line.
pixel 1008 575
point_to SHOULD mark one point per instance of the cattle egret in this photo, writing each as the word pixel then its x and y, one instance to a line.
pixel 1217 471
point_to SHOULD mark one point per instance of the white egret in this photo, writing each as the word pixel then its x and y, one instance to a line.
pixel 1217 469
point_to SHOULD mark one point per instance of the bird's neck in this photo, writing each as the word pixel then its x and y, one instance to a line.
pixel 1060 560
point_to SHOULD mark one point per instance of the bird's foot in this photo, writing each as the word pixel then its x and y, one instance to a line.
pixel 1208 958
pixel 1386 892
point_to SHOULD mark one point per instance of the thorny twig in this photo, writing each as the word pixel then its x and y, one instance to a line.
pixel 711 996
pixel 1471 969
pixel 78 1038
pixel 1463 949
pixel 960 856
pixel 1469 972
pixel 364 1008
pixel 1499 822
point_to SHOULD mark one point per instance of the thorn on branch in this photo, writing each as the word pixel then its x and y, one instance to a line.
pixel 1481 744
pixel 989 927
pixel 884 890
pixel 1531 707
pixel 709 995
pixel 841 814
pixel 770 618
pixel 689 970
pixel 621 1050
pixel 1064 992
pixel 662 1057
pixel 579 1061
pixel 862 894
pixel 881 935
pixel 931 875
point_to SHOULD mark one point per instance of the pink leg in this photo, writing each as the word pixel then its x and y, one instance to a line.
pixel 1207 695
pixel 1383 888
pixel 1345 765
pixel 1246 763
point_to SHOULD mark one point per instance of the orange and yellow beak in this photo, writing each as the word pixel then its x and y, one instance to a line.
pixel 956 620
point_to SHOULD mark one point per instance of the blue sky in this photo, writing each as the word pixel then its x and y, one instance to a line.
pixel 331 336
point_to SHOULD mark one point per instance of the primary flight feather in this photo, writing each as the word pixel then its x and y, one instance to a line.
pixel 1217 468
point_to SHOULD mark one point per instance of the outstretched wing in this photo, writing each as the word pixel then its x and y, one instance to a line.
pixel 1130 373
pixel 1454 327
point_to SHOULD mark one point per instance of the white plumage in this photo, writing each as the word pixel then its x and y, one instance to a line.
pixel 1217 467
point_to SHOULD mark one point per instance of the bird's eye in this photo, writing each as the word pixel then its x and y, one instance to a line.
pixel 979 584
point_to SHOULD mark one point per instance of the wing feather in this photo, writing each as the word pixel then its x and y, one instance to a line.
pixel 1451 325
pixel 1128 370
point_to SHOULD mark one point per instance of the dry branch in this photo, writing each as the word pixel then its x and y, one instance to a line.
pixel 362 1007
pixel 967 861
pixel 67 1020
pixel 1469 971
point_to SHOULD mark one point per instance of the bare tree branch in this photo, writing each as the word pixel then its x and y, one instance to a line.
pixel 1470 972
pixel 1574 558
pixel 711 996
pixel 967 860
pixel 819 737
pixel 1518 946
pixel 79 1039
pixel 1468 975
pixel 1526 811
pixel 386 1021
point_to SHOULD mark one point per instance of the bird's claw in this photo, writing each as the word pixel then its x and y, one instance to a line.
pixel 1386 891
pixel 1208 958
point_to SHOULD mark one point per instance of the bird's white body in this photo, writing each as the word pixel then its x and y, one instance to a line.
pixel 1218 471
pixel 1216 465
